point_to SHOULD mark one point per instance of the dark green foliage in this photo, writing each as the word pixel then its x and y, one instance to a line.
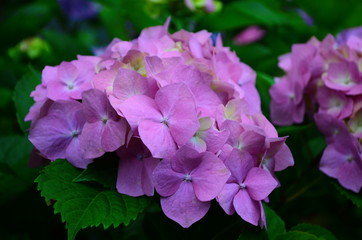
pixel 82 205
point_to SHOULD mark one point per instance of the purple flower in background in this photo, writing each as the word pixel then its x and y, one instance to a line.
pixel 342 160
pixel 249 35
pixel 287 105
pixel 334 103
pixel 343 36
pixel 355 124
pixel 344 76
pixel 305 16
pixel 187 182
pixel 331 127
pixel 78 10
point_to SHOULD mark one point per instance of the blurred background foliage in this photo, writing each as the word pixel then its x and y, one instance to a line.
pixel 45 32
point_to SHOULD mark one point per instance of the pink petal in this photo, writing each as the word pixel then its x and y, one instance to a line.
pixel 261 121
pixel 95 105
pixel 343 76
pixel 283 158
pixel 166 180
pixel 183 207
pixel 90 140
pixel 239 163
pixel 209 177
pixel 49 137
pixel 149 164
pixel 247 209
pixel 156 136
pixel 185 160
pixel 214 139
pixel 259 183
pixel 129 178
pixel 138 108
pixel 177 105
pixel 234 128
pixel 67 72
pixel 104 80
pixel 350 176
pixel 226 197
pixel 129 83
pixel 74 156
pixel 251 142
pixel 49 74
pixel 114 135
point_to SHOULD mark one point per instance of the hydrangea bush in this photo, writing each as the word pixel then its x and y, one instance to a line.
pixel 181 112
pixel 323 80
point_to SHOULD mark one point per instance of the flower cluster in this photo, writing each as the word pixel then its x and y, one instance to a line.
pixel 323 79
pixel 182 113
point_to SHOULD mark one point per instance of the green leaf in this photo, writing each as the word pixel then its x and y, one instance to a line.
pixel 5 97
pixel 282 131
pixel 64 47
pixel 263 83
pixel 244 13
pixel 354 197
pixel 317 145
pixel 103 171
pixel 25 21
pixel 266 79
pixel 275 225
pixel 15 176
pixel 316 230
pixel 81 205
pixel 22 98
pixel 296 235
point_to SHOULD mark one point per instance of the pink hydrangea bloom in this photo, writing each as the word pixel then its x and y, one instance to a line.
pixel 104 131
pixel 325 79
pixel 187 182
pixel 246 187
pixel 173 107
pixel 57 134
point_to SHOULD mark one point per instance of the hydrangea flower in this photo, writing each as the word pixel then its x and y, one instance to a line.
pixel 187 182
pixel 246 187
pixel 104 131
pixel 57 134
pixel 176 108
pixel 324 79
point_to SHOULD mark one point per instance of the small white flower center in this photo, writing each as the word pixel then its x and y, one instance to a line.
pixel 74 133
pixel 187 178
pixel 165 121
pixel 242 186
pixel 104 119
pixel 70 85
